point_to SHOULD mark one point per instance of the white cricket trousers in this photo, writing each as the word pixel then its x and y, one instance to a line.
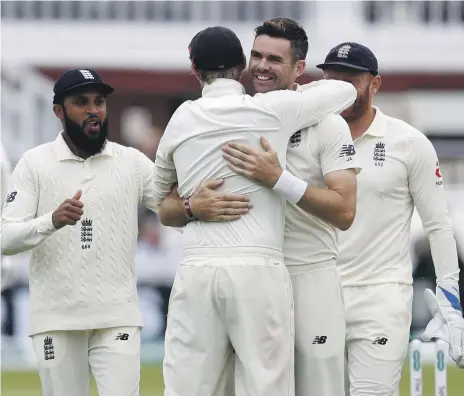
pixel 226 299
pixel 378 326
pixel 67 358
pixel 320 328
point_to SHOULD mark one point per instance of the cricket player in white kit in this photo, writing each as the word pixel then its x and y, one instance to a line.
pixel 400 172
pixel 232 289
pixel 74 202
pixel 321 158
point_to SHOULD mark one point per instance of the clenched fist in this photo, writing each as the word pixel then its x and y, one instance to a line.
pixel 69 212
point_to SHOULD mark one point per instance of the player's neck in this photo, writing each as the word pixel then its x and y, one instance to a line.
pixel 362 124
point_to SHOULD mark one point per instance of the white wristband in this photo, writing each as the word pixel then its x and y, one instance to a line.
pixel 290 187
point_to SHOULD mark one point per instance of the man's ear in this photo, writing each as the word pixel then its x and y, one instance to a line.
pixel 59 111
pixel 196 74
pixel 300 67
pixel 375 85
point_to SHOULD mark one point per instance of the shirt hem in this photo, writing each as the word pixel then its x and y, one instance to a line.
pixel 102 319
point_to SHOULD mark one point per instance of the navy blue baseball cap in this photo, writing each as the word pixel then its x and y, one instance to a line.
pixel 216 48
pixel 353 56
pixel 77 79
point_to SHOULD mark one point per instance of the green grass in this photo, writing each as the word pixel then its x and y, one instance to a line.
pixel 28 384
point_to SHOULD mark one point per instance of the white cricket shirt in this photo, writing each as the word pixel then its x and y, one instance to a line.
pixel 400 171
pixel 81 276
pixel 313 153
pixel 190 152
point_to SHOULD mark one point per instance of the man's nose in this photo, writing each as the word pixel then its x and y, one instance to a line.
pixel 263 66
pixel 91 109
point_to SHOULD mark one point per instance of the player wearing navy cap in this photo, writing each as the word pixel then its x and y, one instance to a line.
pixel 73 202
pixel 400 172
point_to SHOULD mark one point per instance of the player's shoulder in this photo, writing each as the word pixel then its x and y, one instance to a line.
pixel 329 128
pixel 126 151
pixel 407 138
pixel 330 123
pixel 399 128
pixel 277 96
pixel 39 154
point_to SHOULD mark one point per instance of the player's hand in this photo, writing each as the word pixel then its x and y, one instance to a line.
pixel 260 166
pixel 209 205
pixel 69 212
pixel 447 322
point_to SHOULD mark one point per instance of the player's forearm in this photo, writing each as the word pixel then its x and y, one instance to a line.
pixel 172 211
pixel 333 96
pixel 444 254
pixel 17 237
pixel 328 205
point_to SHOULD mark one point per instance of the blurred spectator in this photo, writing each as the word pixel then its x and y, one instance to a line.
pixel 157 259
pixel 137 130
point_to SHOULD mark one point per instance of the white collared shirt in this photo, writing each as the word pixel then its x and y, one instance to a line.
pixel 190 152
pixel 400 171
pixel 312 154
pixel 81 276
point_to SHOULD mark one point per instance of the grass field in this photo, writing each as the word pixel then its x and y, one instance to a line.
pixel 27 383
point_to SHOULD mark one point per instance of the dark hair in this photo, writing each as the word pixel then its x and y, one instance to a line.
pixel 288 29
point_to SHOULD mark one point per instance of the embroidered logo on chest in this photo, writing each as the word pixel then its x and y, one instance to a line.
pixel 379 154
pixel 295 140
pixel 86 233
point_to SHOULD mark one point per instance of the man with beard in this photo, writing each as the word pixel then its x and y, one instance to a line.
pixel 400 172
pixel 74 203
pixel 323 158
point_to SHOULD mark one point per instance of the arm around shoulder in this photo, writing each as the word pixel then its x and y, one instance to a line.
pixel 309 106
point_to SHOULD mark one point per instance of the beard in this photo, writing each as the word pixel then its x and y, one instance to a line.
pixel 88 144
pixel 358 109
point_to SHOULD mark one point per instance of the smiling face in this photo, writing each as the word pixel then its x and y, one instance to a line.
pixel 272 65
pixel 85 120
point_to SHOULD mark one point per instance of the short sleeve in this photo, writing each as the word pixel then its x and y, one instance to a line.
pixel 336 151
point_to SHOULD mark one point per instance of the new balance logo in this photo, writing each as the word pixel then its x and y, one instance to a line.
pixel 320 340
pixel 348 151
pixel 380 341
pixel 87 74
pixel 11 197
pixel 49 350
pixel 122 336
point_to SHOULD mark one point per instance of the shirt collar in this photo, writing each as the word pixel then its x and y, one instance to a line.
pixel 222 87
pixel 377 127
pixel 63 152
